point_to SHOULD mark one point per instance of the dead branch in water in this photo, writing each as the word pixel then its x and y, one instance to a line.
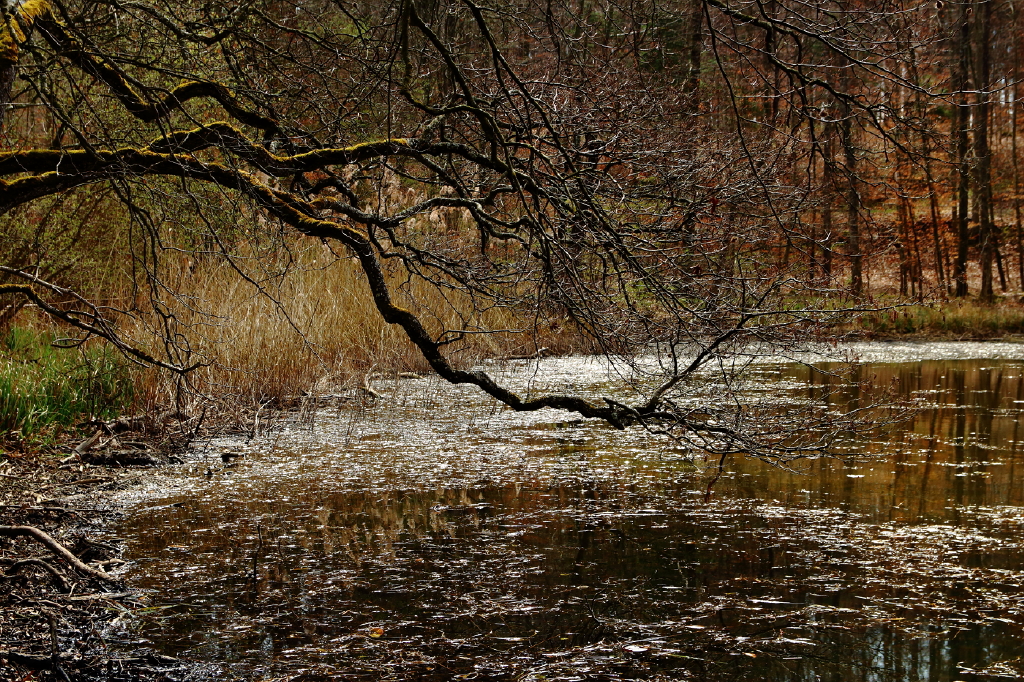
pixel 366 385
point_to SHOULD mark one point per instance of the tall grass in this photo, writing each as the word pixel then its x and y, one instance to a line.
pixel 44 389
pixel 312 329
pixel 259 338
pixel 284 315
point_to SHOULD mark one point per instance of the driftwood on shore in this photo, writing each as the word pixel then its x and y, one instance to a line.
pixel 44 538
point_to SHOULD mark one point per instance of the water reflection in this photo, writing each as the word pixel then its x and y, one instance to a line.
pixel 448 538
pixel 961 450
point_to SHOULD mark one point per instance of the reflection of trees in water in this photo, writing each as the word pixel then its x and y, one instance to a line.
pixel 533 571
pixel 963 438
pixel 865 579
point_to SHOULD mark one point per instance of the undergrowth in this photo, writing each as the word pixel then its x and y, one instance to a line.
pixel 44 389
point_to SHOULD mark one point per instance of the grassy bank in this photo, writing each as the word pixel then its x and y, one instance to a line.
pixel 952 320
pixel 45 390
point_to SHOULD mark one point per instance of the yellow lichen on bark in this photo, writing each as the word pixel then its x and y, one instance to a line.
pixel 16 24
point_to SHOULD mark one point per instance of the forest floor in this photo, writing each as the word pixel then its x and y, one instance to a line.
pixel 59 622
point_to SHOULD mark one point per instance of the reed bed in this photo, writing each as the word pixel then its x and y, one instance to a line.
pixel 310 328
pixel 281 317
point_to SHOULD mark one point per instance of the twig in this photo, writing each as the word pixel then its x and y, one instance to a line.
pixel 60 550
pixel 55 645
pixel 256 422
pixel 99 595
pixel 199 424
pixel 58 578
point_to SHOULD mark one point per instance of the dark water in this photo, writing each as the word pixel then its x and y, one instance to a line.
pixel 434 536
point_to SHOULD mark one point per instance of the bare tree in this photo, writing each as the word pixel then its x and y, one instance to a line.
pixel 578 176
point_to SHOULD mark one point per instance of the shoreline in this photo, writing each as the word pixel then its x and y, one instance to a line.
pixel 58 622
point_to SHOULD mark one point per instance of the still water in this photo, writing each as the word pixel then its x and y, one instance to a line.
pixel 433 535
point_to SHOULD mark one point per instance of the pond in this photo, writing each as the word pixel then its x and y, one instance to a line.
pixel 432 535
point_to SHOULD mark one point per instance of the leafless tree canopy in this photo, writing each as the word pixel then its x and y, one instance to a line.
pixel 645 171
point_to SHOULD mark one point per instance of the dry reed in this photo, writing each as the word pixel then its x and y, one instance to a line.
pixel 313 328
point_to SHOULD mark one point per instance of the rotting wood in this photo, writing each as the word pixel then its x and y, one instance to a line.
pixel 55 547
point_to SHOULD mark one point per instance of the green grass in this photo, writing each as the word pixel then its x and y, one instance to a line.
pixel 45 389
pixel 949 320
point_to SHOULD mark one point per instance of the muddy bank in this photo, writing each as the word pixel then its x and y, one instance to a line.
pixel 59 621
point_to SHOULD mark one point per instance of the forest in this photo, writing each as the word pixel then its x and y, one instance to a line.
pixel 257 197
pixel 520 340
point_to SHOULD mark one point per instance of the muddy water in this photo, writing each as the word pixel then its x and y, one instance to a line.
pixel 434 535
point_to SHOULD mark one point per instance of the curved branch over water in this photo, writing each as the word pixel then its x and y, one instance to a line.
pixel 444 148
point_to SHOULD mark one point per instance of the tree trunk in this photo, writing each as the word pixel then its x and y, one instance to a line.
pixel 828 186
pixel 983 168
pixel 853 244
pixel 852 203
pixel 938 252
pixel 918 266
pixel 902 245
pixel 962 48
pixel 695 46
pixel 1014 93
